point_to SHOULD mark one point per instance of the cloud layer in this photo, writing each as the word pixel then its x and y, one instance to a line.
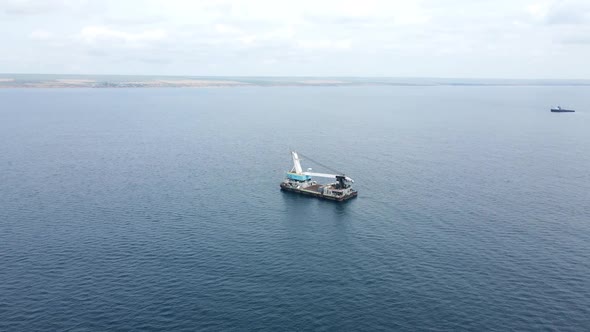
pixel 428 38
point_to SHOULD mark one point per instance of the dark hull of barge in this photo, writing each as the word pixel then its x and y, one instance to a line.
pixel 310 192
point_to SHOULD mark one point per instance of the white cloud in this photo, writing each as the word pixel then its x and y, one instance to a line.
pixel 538 10
pixel 227 29
pixel 569 12
pixel 46 7
pixel 40 35
pixel 30 7
pixel 250 39
pixel 325 44
pixel 560 12
pixel 100 34
pixel 320 37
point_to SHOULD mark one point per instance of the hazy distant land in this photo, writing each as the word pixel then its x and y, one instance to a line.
pixel 123 81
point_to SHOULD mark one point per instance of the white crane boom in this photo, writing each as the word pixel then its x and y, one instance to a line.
pixel 296 163
pixel 325 175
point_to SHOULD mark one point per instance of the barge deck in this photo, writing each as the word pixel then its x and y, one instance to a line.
pixel 314 190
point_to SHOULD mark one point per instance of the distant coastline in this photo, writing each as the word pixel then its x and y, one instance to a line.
pixel 123 81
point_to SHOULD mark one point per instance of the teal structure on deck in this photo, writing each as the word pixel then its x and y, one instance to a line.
pixel 298 177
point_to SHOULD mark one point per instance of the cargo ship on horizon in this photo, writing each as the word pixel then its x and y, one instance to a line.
pixel 561 110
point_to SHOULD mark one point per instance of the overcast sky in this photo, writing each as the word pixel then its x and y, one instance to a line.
pixel 430 38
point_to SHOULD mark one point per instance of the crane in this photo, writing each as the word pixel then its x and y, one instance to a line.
pixel 297 169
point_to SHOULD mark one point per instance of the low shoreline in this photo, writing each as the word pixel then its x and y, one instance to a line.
pixel 104 81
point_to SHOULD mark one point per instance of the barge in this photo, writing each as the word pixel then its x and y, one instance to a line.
pixel 300 182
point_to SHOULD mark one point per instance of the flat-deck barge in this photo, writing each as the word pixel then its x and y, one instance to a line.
pixel 301 182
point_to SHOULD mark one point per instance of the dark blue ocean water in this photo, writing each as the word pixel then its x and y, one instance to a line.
pixel 159 209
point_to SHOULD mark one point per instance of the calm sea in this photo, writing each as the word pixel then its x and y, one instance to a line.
pixel 160 209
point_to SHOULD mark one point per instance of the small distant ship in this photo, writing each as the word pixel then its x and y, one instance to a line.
pixel 559 109
pixel 301 182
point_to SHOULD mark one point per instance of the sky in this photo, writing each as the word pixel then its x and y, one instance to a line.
pixel 383 38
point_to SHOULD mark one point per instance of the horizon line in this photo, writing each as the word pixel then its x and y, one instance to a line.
pixel 308 76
